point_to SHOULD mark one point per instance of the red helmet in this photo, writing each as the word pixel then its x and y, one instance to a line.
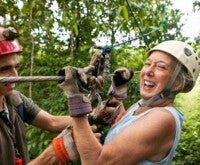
pixel 8 41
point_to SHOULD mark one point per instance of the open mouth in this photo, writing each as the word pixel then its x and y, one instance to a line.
pixel 149 84
pixel 10 85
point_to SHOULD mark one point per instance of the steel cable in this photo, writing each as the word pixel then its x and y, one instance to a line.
pixel 30 79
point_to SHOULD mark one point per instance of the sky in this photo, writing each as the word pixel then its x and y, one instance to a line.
pixel 190 19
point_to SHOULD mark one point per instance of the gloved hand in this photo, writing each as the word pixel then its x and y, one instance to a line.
pixel 64 146
pixel 106 112
pixel 75 88
pixel 118 88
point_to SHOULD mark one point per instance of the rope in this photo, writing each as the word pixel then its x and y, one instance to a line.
pixel 141 34
pixel 140 30
pixel 30 79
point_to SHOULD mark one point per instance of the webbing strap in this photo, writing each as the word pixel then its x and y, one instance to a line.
pixel 20 111
pixel 166 92
pixel 174 75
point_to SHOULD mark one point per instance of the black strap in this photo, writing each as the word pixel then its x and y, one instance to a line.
pixel 5 119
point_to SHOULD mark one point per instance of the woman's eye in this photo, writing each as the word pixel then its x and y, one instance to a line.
pixel 161 67
pixel 147 63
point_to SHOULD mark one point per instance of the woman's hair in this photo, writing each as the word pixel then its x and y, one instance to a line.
pixel 184 81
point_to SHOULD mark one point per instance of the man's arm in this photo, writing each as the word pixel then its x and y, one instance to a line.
pixel 51 123
pixel 47 157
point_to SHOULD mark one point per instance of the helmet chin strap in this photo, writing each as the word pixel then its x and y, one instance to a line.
pixel 165 93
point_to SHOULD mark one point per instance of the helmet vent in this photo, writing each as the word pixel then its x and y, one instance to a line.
pixel 187 52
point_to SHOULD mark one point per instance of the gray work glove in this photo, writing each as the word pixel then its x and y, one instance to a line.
pixel 118 88
pixel 107 112
pixel 75 88
pixel 65 147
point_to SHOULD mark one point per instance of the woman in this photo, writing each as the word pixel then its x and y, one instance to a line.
pixel 148 133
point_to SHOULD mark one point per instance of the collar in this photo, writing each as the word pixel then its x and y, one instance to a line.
pixel 5 108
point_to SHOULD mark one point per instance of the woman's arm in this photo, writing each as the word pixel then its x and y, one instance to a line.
pixel 149 138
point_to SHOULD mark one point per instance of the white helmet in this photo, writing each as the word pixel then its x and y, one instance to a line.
pixel 184 53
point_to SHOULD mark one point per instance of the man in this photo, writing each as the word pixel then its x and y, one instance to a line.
pixel 15 109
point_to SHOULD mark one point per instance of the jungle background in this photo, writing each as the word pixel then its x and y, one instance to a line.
pixel 61 33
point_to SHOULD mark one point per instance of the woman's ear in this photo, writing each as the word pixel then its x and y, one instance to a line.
pixel 178 84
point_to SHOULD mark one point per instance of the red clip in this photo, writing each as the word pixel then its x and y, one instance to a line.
pixel 18 161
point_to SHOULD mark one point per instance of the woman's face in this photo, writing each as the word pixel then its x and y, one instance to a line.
pixel 8 68
pixel 156 73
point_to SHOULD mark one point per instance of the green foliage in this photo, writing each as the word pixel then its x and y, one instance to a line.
pixel 37 140
pixel 53 37
pixel 188 148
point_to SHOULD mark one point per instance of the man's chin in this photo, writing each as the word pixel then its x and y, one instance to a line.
pixel 10 92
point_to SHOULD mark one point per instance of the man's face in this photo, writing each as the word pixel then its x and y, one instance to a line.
pixel 8 68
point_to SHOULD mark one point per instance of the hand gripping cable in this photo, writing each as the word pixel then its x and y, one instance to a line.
pixel 100 61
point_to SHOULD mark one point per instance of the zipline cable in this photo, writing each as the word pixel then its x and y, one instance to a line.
pixel 106 49
pixel 140 30
pixel 30 79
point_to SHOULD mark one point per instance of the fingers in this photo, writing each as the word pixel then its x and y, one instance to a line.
pixel 98 136
pixel 69 73
pixel 94 128
pixel 122 76
pixel 95 57
pixel 84 73
pixel 100 82
pixel 83 76
pixel 106 111
pixel 113 103
pixel 124 73
pixel 88 69
pixel 63 72
pixel 95 82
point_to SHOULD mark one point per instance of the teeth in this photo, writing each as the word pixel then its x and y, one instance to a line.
pixel 149 83
pixel 10 84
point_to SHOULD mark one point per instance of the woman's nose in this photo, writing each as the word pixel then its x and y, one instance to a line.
pixel 150 70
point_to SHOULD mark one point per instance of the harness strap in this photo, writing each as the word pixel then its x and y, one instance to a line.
pixel 5 119
pixel 167 91
pixel 16 101
pixel 20 111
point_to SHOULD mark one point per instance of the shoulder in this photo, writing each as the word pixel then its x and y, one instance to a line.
pixel 158 121
pixel 20 97
pixel 15 98
pixel 152 134
pixel 165 113
pixel 161 114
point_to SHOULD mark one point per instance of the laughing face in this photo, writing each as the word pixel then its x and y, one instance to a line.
pixel 8 68
pixel 156 73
